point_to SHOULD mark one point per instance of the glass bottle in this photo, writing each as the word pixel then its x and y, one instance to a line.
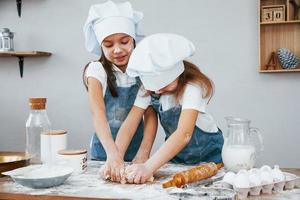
pixel 37 123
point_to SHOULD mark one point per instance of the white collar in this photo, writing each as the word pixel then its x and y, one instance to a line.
pixel 116 69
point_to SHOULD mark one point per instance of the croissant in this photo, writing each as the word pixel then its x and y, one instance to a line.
pixel 192 175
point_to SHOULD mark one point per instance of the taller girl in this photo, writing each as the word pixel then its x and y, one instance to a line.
pixel 111 31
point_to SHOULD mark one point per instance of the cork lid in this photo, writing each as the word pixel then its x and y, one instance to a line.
pixel 72 151
pixel 55 132
pixel 37 103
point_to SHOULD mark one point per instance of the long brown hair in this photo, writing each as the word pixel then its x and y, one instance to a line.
pixel 108 67
pixel 192 74
pixel 111 79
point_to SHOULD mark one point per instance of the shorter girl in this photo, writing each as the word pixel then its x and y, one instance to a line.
pixel 179 94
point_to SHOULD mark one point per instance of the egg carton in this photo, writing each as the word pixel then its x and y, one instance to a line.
pixel 291 181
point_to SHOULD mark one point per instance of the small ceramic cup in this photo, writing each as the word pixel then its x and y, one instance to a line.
pixel 51 142
pixel 77 159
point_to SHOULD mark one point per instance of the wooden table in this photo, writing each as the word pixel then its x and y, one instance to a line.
pixel 89 186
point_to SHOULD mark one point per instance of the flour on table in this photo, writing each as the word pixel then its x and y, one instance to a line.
pixel 89 184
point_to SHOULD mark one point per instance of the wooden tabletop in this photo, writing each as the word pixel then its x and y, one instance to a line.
pixel 89 186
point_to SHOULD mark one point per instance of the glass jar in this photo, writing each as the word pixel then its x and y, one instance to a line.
pixel 6 40
pixel 37 123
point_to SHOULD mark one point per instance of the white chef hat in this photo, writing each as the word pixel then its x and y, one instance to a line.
pixel 158 59
pixel 109 18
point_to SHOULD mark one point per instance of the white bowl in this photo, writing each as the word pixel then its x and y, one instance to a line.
pixel 40 176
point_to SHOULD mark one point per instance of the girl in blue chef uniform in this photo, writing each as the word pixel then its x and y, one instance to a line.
pixel 179 92
pixel 111 31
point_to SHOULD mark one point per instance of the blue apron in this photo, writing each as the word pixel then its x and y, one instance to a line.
pixel 117 109
pixel 203 146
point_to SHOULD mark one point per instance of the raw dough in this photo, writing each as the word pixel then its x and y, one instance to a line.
pixel 123 177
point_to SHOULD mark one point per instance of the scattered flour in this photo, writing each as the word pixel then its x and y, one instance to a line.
pixel 89 184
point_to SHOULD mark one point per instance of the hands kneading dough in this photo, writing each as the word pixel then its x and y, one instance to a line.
pixel 125 176
pixel 129 177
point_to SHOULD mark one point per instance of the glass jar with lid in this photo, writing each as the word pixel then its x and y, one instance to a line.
pixel 37 123
pixel 6 40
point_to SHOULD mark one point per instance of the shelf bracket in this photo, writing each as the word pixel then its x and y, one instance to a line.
pixel 21 65
pixel 21 56
pixel 19 7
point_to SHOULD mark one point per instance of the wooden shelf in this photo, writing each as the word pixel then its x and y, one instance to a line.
pixel 274 35
pixel 24 53
pixel 284 22
pixel 21 54
pixel 279 70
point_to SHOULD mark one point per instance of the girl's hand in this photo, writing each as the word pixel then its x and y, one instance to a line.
pixel 140 158
pixel 138 173
pixel 113 168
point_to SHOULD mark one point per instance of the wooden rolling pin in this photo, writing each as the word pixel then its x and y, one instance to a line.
pixel 192 175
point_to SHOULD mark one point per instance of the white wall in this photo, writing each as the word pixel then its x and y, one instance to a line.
pixel 224 32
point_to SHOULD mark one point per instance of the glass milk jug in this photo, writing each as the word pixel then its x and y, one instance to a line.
pixel 37 123
pixel 241 146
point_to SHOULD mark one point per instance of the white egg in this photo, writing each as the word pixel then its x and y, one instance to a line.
pixel 254 179
pixel 241 180
pixel 229 177
pixel 277 174
pixel 254 171
pixel 243 171
pixel 265 168
pixel 266 177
